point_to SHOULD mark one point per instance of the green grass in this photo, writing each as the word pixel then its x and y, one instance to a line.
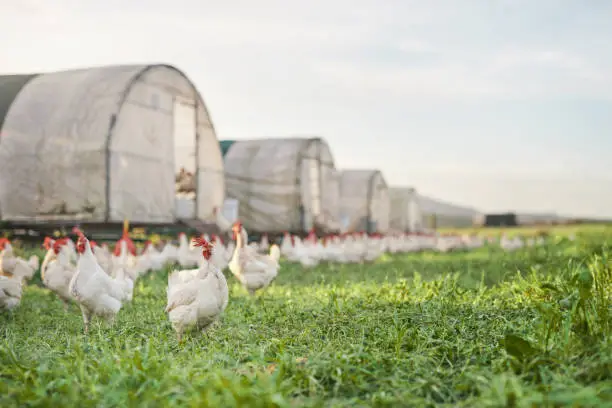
pixel 487 328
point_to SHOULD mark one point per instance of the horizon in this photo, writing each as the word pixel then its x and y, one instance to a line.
pixel 499 106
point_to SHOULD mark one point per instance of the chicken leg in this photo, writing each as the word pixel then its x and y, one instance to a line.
pixel 86 317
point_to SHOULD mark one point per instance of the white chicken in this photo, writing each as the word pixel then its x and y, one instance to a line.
pixel 15 265
pixel 103 256
pixel 10 292
pixel 57 270
pixel 128 258
pixel 335 250
pixel 72 250
pixel 187 257
pixel 122 274
pixel 264 243
pixel 253 270
pixel 287 245
pixel 196 298
pixel 374 247
pixel 304 254
pixel 224 255
pixel 95 291
pixel 170 253
pixel 155 260
pixel 12 276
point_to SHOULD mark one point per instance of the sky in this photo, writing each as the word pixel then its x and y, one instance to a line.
pixel 496 104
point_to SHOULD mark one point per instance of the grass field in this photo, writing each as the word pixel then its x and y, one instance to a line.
pixel 486 328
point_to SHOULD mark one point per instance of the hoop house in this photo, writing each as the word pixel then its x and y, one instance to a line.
pixel 364 201
pixel 105 144
pixel 404 210
pixel 283 184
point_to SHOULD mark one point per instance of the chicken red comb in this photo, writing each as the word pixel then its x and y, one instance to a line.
pixel 3 242
pixel 48 243
pixel 57 245
pixel 201 242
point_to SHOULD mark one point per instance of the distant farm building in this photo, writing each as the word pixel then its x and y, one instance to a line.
pixel 500 220
pixel 440 214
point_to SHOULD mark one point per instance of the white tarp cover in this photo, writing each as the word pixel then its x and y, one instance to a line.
pixel 364 200
pixel 273 178
pixel 404 210
pixel 55 135
pixel 230 210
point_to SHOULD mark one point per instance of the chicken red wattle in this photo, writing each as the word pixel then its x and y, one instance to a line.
pixel 80 246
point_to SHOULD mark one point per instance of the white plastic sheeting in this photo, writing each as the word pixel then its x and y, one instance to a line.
pixel 364 201
pixel 404 210
pixel 283 184
pixel 231 210
pixel 63 129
